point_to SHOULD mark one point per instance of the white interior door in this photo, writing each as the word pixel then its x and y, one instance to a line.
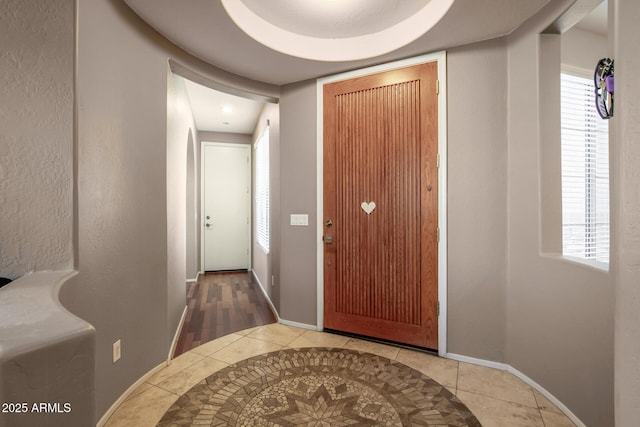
pixel 227 206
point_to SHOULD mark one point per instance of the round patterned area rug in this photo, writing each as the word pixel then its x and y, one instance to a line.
pixel 318 387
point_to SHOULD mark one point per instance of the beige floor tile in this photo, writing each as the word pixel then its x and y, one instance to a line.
pixel 372 347
pixel 545 404
pixel 243 349
pixel 211 347
pixel 552 419
pixel 498 413
pixel 318 339
pixel 177 365
pixel 143 410
pixel 246 332
pixel 181 382
pixel 494 383
pixel 142 387
pixel 276 333
pixel 444 371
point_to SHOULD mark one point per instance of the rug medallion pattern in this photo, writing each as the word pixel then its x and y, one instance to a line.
pixel 318 387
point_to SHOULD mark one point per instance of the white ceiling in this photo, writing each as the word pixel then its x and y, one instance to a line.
pixel 334 19
pixel 203 28
pixel 220 112
pixel 212 36
pixel 336 30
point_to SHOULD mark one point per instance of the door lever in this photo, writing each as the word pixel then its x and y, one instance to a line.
pixel 328 223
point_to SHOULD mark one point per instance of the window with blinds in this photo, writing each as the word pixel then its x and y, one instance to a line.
pixel 585 172
pixel 262 189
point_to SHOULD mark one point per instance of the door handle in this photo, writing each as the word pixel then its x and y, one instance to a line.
pixel 207 225
pixel 328 239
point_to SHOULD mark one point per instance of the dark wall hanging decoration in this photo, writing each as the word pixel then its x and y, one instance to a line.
pixel 603 81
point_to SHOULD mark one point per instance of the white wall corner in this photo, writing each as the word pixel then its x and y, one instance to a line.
pixel 266 295
pixel 176 336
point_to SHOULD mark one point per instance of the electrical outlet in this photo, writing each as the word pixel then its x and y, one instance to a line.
pixel 116 351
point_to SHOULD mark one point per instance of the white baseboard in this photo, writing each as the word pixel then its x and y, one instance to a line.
pixel 124 396
pixel 548 395
pixel 264 292
pixel 298 324
pixel 196 279
pixel 480 362
pixel 176 336
pixel 523 377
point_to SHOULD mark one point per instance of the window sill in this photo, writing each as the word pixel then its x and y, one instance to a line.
pixel 596 265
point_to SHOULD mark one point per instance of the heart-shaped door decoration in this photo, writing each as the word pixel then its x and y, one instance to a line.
pixel 368 207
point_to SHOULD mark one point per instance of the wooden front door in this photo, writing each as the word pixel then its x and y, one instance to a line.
pixel 381 205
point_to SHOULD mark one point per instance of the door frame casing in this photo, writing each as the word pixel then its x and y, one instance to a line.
pixel 203 144
pixel 441 59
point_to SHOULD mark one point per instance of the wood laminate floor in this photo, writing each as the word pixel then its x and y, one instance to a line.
pixel 219 304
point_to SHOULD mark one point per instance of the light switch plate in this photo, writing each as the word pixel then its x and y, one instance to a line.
pixel 300 219
pixel 117 351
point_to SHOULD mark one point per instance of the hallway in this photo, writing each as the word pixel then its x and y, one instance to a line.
pixel 219 304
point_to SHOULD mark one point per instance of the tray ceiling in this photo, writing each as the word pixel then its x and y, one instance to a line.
pixel 204 29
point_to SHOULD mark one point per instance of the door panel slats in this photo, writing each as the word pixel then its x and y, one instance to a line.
pixel 369 169
pixel 381 146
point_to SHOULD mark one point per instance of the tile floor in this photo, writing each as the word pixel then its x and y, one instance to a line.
pixel 497 398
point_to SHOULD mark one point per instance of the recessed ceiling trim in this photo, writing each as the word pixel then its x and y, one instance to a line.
pixel 194 76
pixel 338 49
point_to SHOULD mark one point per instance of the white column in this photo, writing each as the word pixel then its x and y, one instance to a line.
pixel 625 219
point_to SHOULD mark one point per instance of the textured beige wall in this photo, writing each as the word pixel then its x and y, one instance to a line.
pixel 128 287
pixel 180 127
pixel 36 136
pixel 477 197
pixel 625 162
pixel 122 286
pixel 583 49
pixel 559 313
pixel 298 278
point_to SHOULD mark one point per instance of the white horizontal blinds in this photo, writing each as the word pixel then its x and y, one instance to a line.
pixel 262 189
pixel 585 172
